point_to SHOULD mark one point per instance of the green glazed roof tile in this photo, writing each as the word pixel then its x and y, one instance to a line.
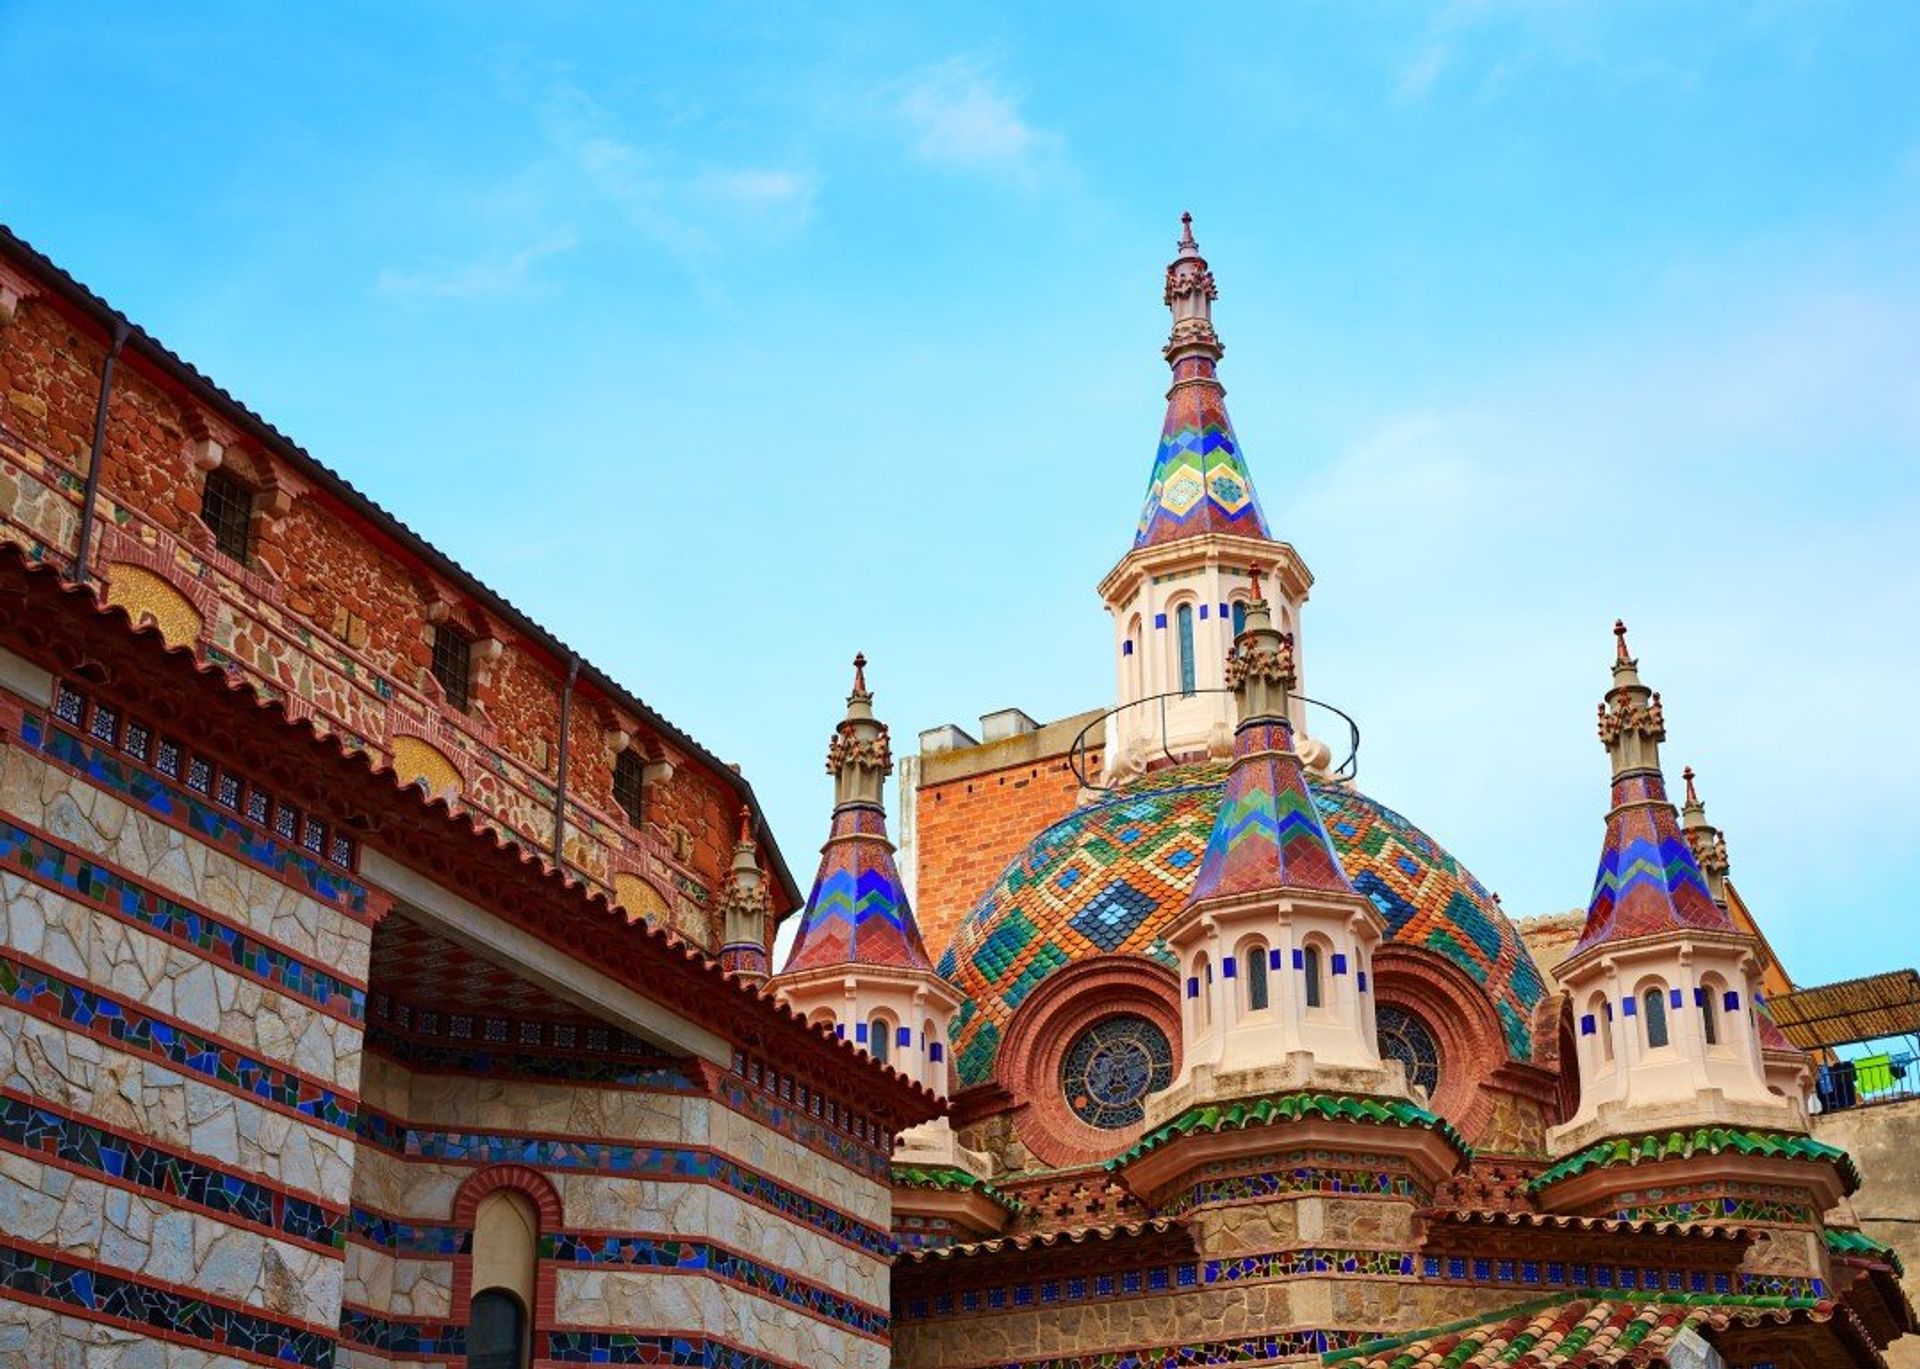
pixel 1289 1107
pixel 1680 1145
pixel 951 1179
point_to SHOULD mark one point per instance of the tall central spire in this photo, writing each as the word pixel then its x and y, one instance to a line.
pixel 1200 483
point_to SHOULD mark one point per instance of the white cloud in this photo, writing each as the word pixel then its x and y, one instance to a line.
pixel 777 196
pixel 959 117
pixel 501 273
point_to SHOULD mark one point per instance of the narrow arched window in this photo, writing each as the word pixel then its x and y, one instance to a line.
pixel 1183 621
pixel 496 1331
pixel 1653 1003
pixel 879 1039
pixel 1310 963
pixel 1256 956
pixel 1602 1019
pixel 1239 616
pixel 1709 1014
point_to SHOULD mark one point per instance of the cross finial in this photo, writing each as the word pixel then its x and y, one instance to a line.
pixel 860 672
pixel 1186 231
pixel 1620 639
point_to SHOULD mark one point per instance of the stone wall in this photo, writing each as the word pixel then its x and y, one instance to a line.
pixel 672 1215
pixel 180 1051
pixel 1884 1141
pixel 333 613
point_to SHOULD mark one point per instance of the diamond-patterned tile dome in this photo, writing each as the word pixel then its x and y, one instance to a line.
pixel 1113 875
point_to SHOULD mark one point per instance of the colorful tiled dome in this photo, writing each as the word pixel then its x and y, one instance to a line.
pixel 1112 876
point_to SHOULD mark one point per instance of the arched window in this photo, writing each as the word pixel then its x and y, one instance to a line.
pixel 1408 1039
pixel 880 1039
pixel 1255 955
pixel 1602 1026
pixel 1708 994
pixel 1310 963
pixel 1239 616
pixel 1203 981
pixel 496 1331
pixel 1130 656
pixel 1653 1004
pixel 1183 622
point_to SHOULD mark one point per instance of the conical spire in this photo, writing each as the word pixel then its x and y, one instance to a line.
pixel 1648 881
pixel 744 906
pixel 1709 846
pixel 1200 482
pixel 1268 834
pixel 857 913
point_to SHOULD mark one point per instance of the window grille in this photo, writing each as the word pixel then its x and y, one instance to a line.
pixel 629 785
pixel 226 507
pixel 453 664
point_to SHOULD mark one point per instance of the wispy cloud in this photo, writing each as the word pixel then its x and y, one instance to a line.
pixel 596 175
pixel 500 273
pixel 1418 76
pixel 958 116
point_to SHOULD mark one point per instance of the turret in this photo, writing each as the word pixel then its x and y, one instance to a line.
pixel 1663 983
pixel 858 963
pixel 1179 595
pixel 1276 945
pixel 744 906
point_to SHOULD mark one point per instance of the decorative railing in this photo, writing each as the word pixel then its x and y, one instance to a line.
pixel 1086 739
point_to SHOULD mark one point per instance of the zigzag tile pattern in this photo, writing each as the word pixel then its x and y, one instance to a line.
pixel 1268 834
pixel 1648 881
pixel 1111 877
pixel 857 913
pixel 1200 481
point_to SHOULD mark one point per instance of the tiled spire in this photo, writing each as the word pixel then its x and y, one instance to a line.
pixel 1709 846
pixel 744 906
pixel 857 913
pixel 1268 835
pixel 1200 482
pixel 1649 881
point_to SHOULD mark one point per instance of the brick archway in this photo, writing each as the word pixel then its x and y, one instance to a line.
pixel 1458 1013
pixel 538 1190
pixel 1031 1053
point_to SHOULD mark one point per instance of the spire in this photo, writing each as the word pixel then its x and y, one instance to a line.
pixel 1649 881
pixel 744 906
pixel 1200 482
pixel 1268 835
pixel 1709 846
pixel 857 913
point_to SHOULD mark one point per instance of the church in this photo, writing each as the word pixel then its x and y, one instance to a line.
pixel 383 984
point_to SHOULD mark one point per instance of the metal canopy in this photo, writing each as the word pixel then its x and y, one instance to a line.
pixel 1880 1005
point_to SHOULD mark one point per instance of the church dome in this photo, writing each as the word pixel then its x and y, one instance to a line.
pixel 1110 878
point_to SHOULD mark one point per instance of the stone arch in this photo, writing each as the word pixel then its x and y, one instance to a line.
pixel 149 598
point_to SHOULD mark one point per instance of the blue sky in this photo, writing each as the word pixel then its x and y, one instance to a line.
pixel 727 340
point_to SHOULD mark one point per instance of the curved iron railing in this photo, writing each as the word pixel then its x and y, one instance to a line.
pixel 1077 753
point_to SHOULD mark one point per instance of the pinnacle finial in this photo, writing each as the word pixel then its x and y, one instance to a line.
pixel 746 825
pixel 1253 581
pixel 1687 775
pixel 1186 231
pixel 860 672
pixel 1620 640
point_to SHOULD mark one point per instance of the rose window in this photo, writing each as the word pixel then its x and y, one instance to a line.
pixel 1112 1067
pixel 1404 1037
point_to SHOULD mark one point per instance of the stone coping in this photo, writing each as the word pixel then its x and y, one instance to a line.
pixel 952 1179
pixel 1681 1145
pixel 1215 1117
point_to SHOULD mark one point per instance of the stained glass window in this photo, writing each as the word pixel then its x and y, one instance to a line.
pixel 1183 625
pixel 1111 1069
pixel 1404 1037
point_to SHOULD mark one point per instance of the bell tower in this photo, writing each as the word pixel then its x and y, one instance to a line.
pixel 1179 596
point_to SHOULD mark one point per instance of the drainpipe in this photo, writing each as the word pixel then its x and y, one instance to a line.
pixel 92 498
pixel 560 789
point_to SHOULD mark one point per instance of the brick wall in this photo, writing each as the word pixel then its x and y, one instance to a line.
pixel 332 608
pixel 976 809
